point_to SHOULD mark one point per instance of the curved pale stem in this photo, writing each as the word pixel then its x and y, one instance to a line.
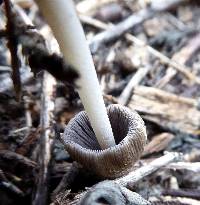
pixel 63 20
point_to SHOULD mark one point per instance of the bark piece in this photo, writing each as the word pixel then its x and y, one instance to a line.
pixel 158 143
pixel 18 161
pixel 172 112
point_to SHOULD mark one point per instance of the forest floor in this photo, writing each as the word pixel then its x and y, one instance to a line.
pixel 146 54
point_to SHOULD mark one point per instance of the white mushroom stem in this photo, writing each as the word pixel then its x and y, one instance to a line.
pixel 63 20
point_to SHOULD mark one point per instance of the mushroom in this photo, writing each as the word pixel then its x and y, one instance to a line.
pixel 63 20
pixel 130 135
pixel 89 137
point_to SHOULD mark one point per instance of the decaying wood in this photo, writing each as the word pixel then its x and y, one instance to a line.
pixel 8 157
pixel 183 56
pixel 116 31
pixel 158 143
pixel 172 112
pixel 48 84
pixel 178 66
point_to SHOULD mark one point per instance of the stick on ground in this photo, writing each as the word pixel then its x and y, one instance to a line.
pixel 41 194
pixel 133 177
pixel 119 29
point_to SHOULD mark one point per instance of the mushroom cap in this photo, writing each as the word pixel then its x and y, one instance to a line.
pixel 130 137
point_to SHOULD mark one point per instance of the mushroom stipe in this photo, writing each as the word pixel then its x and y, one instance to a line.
pixel 130 136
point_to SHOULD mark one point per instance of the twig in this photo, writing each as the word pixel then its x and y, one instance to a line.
pixel 171 62
pixel 191 166
pixel 19 130
pixel 8 157
pixel 158 143
pixel 179 67
pixel 9 185
pixel 189 193
pixel 135 80
pixel 27 112
pixel 117 30
pixel 28 39
pixel 67 180
pixel 141 73
pixel 12 45
pixel 144 171
pixel 182 57
pixel 41 194
pixel 12 187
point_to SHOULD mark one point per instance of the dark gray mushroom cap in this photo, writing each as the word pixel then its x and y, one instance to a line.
pixel 130 137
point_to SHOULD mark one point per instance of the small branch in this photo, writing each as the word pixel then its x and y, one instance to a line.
pixel 189 193
pixel 190 166
pixel 135 80
pixel 179 67
pixel 119 29
pixel 141 73
pixel 67 180
pixel 146 170
pixel 182 57
pixel 12 187
pixel 13 46
pixel 9 185
pixel 41 194
pixel 116 31
pixel 29 39
pixel 8 157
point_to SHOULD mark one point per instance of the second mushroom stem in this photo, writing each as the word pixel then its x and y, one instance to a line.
pixel 63 20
